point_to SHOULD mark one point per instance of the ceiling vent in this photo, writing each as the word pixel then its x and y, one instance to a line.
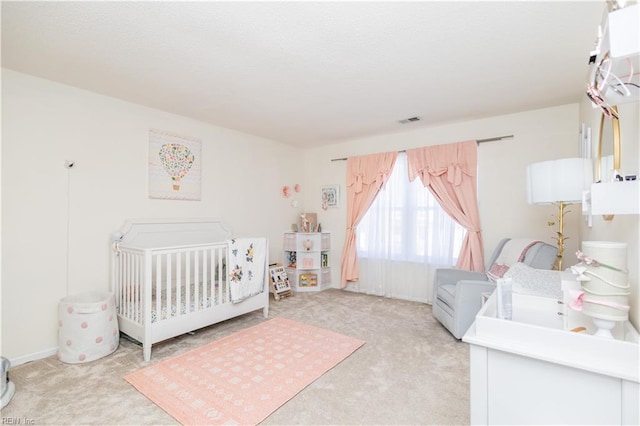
pixel 409 120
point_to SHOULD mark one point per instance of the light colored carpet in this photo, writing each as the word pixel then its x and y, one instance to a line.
pixel 411 371
pixel 244 377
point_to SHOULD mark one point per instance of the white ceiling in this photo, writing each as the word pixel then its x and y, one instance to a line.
pixel 311 73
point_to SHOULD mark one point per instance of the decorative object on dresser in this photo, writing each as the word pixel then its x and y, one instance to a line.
pixel 308 222
pixel 560 182
pixel 306 260
pixel 602 273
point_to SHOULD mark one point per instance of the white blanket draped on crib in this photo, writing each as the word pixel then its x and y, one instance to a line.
pixel 246 265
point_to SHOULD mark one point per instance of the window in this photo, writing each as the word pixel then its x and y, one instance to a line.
pixel 406 223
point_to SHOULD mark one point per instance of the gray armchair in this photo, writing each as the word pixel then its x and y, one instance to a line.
pixel 457 294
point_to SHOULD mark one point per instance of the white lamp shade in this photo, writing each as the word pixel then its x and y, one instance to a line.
pixel 556 181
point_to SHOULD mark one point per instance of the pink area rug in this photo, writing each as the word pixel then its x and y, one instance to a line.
pixel 243 378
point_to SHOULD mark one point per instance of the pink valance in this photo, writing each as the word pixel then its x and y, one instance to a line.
pixel 449 171
pixel 369 169
pixel 456 160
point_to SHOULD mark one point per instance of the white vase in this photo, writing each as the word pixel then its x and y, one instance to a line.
pixel 607 291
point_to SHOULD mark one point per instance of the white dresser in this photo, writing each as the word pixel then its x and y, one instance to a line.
pixel 533 370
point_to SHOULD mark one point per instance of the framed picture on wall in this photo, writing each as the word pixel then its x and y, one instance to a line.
pixel 330 196
pixel 174 166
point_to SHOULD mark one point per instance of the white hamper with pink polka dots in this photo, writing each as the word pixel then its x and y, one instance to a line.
pixel 87 327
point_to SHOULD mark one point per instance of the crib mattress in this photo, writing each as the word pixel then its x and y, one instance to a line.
pixel 174 308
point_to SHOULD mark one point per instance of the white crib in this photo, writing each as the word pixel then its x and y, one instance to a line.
pixel 169 277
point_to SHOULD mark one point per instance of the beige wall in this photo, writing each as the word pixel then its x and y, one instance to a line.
pixel 538 135
pixel 44 124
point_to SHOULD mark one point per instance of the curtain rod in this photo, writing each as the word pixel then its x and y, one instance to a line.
pixel 479 141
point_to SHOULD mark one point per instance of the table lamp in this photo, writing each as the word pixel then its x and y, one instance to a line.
pixel 560 182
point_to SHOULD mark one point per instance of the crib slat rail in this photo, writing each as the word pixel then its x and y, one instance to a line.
pixel 178 278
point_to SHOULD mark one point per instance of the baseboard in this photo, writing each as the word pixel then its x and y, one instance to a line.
pixel 33 357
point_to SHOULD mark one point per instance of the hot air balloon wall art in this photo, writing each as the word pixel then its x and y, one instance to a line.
pixel 174 166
